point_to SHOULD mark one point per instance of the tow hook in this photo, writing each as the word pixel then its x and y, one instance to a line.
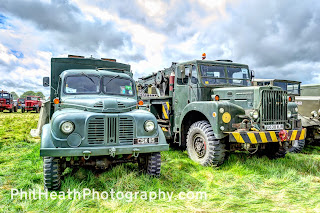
pixel 112 152
pixel 86 154
pixel 135 152
pixel 283 135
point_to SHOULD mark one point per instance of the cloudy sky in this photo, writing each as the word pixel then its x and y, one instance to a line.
pixel 277 39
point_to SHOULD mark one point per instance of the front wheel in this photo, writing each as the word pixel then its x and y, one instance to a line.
pixel 51 173
pixel 150 163
pixel 202 145
pixel 297 146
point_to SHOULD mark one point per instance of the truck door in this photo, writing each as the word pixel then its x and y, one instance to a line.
pixel 181 92
pixel 193 84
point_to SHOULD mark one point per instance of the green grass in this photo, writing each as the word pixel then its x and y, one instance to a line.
pixel 242 184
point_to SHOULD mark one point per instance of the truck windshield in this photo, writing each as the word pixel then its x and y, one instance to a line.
pixel 219 75
pixel 291 88
pixel 82 84
pixel 4 95
pixel 32 98
pixel 116 85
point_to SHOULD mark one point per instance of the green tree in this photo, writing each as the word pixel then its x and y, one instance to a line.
pixel 40 94
pixel 28 93
pixel 15 95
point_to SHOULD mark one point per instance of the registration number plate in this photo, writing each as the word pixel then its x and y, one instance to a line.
pixel 274 126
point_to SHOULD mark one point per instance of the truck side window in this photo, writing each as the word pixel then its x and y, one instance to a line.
pixel 184 81
pixel 194 76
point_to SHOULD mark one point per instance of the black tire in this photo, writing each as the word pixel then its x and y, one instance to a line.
pixel 51 173
pixel 150 163
pixel 275 151
pixel 297 147
pixel 202 145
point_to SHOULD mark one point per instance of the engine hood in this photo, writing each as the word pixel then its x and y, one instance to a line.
pixel 246 97
pixel 100 104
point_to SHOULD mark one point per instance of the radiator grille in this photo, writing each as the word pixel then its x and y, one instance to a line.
pixel 274 106
pixel 96 127
pixel 112 129
pixel 126 130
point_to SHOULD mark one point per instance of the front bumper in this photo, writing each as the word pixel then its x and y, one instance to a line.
pixel 103 151
pixel 30 108
pixel 254 137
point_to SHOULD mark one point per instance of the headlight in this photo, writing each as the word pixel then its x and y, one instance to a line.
pixel 314 113
pixel 255 114
pixel 149 126
pixel 67 127
pixel 289 114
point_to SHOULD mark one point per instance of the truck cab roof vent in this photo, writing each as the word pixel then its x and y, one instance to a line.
pixel 224 60
pixel 75 56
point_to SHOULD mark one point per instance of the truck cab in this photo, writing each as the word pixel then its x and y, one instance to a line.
pixel 94 120
pixel 6 102
pixel 32 103
pixel 210 107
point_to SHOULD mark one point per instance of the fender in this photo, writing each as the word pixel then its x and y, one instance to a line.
pixel 211 110
pixel 46 141
pixel 162 138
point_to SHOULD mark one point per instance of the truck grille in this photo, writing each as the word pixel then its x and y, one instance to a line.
pixel 112 129
pixel 274 106
pixel 126 130
pixel 96 128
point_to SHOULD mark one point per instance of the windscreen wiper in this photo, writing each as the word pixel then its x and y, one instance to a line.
pixel 116 76
pixel 88 77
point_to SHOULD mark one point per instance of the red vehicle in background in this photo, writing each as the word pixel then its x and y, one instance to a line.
pixel 6 102
pixel 32 103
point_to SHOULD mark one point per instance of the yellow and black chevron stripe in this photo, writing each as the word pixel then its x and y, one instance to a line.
pixel 165 110
pixel 264 137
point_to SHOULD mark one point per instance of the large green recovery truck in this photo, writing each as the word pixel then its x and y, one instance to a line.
pixel 94 120
pixel 210 107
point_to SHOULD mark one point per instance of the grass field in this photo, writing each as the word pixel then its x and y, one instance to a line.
pixel 242 184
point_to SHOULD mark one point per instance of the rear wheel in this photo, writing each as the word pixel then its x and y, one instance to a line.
pixel 51 173
pixel 202 145
pixel 150 163
pixel 297 146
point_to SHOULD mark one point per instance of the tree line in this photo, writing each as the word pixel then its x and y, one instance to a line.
pixel 27 93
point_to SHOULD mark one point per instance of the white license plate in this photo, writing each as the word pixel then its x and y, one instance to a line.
pixel 274 126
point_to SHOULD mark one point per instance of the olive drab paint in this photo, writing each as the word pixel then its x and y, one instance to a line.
pixel 227 103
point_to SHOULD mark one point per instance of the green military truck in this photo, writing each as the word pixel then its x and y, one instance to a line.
pixel 309 109
pixel 94 120
pixel 209 107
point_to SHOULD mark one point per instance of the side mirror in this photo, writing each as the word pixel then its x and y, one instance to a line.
pixel 46 81
pixel 252 74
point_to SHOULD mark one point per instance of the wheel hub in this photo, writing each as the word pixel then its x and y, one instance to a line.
pixel 199 145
